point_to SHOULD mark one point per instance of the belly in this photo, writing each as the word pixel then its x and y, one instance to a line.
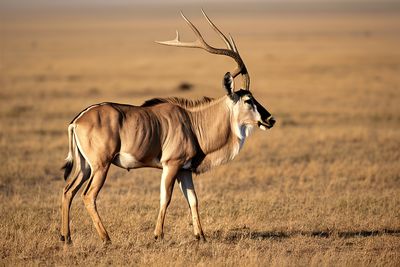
pixel 128 161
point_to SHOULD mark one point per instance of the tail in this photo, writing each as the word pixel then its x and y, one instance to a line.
pixel 69 164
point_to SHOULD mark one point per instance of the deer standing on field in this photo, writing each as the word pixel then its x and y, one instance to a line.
pixel 177 135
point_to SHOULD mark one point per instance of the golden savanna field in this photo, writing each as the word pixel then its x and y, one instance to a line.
pixel 320 188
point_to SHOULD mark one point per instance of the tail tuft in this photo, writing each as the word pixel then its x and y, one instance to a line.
pixel 70 158
pixel 67 168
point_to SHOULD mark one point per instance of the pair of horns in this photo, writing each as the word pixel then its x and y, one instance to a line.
pixel 230 51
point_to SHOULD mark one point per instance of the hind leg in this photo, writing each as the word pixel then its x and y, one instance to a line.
pixel 89 196
pixel 70 190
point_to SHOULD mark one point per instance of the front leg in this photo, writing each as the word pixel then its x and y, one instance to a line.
pixel 166 187
pixel 185 182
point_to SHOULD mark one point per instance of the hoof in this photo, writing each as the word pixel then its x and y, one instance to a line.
pixel 67 239
pixel 200 237
pixel 159 237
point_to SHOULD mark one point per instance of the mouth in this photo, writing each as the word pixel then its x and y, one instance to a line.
pixel 264 126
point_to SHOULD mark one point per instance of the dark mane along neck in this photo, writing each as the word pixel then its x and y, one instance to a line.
pixel 182 102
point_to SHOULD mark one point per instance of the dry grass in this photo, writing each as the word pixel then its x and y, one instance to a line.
pixel 320 188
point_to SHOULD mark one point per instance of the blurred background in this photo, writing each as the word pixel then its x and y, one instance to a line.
pixel 322 186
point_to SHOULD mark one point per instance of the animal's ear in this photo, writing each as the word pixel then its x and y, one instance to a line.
pixel 228 83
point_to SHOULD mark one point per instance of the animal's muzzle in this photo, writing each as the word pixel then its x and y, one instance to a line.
pixel 271 121
pixel 268 123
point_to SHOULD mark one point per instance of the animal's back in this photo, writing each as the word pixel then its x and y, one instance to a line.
pixel 137 136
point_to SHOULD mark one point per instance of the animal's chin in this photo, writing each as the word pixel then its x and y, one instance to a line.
pixel 264 126
pixel 246 129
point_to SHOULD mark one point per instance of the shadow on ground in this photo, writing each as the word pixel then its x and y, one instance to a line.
pixel 237 234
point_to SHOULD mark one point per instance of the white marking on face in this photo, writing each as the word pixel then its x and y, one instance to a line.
pixel 236 126
pixel 258 116
pixel 246 97
pixel 241 130
pixel 262 127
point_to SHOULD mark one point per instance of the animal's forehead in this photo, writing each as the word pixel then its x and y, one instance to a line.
pixel 244 94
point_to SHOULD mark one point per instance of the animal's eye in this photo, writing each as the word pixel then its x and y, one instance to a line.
pixel 248 101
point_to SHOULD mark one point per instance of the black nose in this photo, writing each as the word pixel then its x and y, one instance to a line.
pixel 271 120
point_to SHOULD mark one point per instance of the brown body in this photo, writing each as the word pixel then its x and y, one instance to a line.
pixel 158 135
pixel 179 136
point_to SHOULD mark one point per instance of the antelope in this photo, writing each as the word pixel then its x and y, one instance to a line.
pixel 177 135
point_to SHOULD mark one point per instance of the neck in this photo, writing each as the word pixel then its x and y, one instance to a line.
pixel 218 135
